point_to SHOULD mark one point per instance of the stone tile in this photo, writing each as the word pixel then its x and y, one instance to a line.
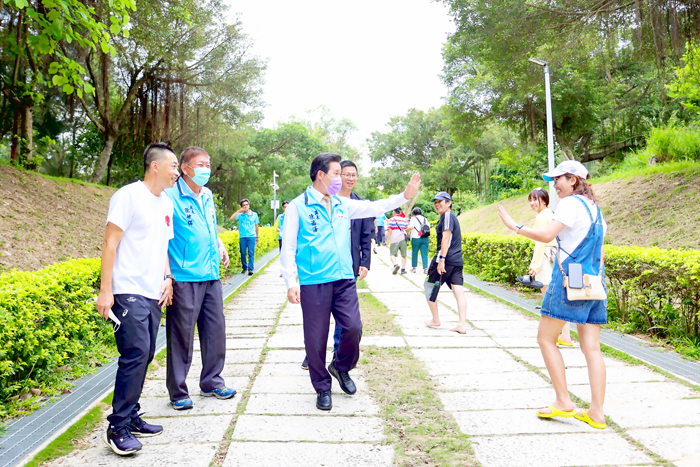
pixel 291 356
pixel 160 406
pixel 305 404
pixel 500 364
pixel 156 387
pixel 616 374
pixel 308 455
pixel 655 413
pixel 501 399
pixel 164 455
pixel 282 369
pixel 515 422
pixel 297 385
pixel 236 356
pixel 240 343
pixel 383 341
pixel 292 320
pixel 679 445
pixel 292 341
pixel 573 358
pixel 516 342
pixel 636 392
pixel 554 450
pixel 233 322
pixel 317 429
pixel 459 355
pixel 230 370
pixel 512 332
pixel 490 381
pixel 443 331
pixel 446 343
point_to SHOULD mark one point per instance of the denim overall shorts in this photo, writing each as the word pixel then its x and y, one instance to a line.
pixel 588 254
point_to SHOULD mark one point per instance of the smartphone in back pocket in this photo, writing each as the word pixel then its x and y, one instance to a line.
pixel 575 276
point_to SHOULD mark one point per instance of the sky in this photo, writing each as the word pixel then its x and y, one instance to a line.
pixel 366 60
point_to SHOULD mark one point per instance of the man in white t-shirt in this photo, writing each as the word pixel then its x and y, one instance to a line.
pixel 136 283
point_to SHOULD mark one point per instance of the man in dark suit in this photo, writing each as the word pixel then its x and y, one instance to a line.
pixel 361 231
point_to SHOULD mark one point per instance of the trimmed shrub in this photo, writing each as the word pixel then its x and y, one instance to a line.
pixel 46 319
pixel 267 242
pixel 651 290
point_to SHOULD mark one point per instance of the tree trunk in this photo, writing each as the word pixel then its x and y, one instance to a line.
pixel 14 151
pixel 166 114
pixel 28 133
pixel 103 160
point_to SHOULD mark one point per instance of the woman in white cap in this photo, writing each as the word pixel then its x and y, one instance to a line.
pixel 579 228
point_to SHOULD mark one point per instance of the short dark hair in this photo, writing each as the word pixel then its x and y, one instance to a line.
pixel 154 152
pixel 397 210
pixel 190 153
pixel 347 163
pixel 322 162
pixel 539 193
pixel 417 212
pixel 284 203
pixel 245 200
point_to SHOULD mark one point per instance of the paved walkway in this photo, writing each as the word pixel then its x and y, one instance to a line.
pixel 486 380
pixel 490 380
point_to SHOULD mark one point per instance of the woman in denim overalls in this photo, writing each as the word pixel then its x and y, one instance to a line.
pixel 570 183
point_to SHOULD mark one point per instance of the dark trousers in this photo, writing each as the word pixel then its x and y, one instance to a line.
pixel 247 246
pixel 136 342
pixel 317 303
pixel 199 303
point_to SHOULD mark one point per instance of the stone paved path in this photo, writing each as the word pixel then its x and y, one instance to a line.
pixel 277 424
pixel 486 381
pixel 490 380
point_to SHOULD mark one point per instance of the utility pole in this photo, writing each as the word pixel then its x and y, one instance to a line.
pixel 550 132
pixel 275 203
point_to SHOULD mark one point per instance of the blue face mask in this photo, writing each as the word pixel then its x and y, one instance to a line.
pixel 201 175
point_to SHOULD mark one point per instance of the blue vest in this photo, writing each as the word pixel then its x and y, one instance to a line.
pixel 323 247
pixel 194 252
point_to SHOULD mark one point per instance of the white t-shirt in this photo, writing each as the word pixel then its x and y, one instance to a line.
pixel 147 222
pixel 417 222
pixel 572 213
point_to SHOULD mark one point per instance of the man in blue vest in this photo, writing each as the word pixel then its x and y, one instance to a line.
pixel 248 231
pixel 194 255
pixel 316 244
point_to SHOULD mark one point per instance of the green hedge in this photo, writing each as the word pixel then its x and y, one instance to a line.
pixel 267 242
pixel 650 290
pixel 46 320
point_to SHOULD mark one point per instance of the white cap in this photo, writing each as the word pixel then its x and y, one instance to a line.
pixel 568 167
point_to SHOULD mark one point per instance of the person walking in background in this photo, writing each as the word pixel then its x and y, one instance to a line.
pixel 318 222
pixel 544 255
pixel 280 224
pixel 397 226
pixel 579 228
pixel 419 227
pixel 248 226
pixel 195 254
pixel 446 267
pixel 136 283
pixel 379 229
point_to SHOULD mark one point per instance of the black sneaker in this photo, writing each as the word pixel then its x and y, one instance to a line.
pixel 121 441
pixel 141 429
pixel 403 271
pixel 250 272
pixel 305 363
pixel 244 271
pixel 346 383
pixel 396 269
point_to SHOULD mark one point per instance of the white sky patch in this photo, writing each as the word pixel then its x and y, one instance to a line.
pixel 365 60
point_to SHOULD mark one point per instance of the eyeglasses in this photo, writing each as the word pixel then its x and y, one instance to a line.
pixel 350 176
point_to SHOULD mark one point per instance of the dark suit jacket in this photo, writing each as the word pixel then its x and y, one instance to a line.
pixel 361 231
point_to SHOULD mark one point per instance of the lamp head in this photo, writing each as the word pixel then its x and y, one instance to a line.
pixel 537 61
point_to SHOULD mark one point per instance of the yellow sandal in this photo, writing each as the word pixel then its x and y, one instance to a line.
pixel 556 413
pixel 585 418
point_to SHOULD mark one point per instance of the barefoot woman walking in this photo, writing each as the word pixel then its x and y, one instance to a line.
pixel 579 228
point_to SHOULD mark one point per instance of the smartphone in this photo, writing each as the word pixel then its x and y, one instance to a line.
pixel 575 276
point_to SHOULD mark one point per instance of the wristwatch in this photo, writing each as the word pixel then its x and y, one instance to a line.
pixel 170 276
pixel 518 227
pixel 441 257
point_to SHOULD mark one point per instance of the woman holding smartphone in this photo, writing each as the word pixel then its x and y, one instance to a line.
pixel 579 228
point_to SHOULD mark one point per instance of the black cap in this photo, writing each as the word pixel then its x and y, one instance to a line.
pixel 442 195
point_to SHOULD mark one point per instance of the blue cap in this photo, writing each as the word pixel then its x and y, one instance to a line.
pixel 442 195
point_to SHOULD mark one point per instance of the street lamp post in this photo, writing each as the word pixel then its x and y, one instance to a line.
pixel 275 187
pixel 550 130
